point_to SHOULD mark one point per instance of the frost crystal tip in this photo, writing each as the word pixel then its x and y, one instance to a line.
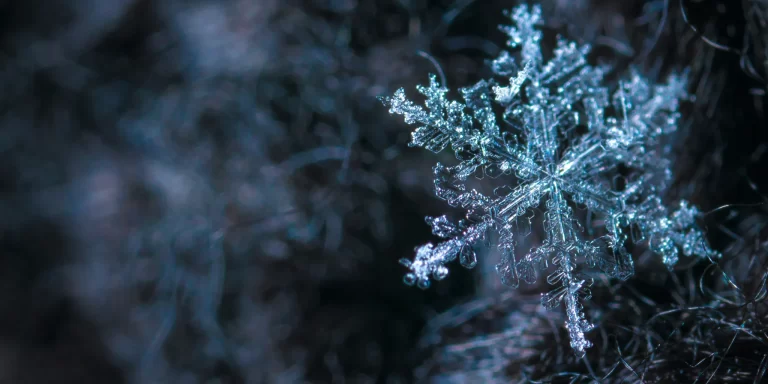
pixel 566 141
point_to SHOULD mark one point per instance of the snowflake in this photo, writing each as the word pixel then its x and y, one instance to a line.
pixel 567 142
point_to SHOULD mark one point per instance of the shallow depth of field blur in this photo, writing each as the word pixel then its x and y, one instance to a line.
pixel 210 192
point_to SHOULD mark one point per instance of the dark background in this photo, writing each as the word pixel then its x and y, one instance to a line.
pixel 210 192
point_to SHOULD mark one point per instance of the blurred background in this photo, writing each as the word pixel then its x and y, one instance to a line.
pixel 210 192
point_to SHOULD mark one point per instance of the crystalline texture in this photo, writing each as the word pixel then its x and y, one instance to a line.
pixel 616 168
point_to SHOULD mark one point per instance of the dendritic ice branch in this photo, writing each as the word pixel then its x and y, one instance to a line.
pixel 566 141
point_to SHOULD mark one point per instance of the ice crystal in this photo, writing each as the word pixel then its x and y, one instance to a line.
pixel 566 141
